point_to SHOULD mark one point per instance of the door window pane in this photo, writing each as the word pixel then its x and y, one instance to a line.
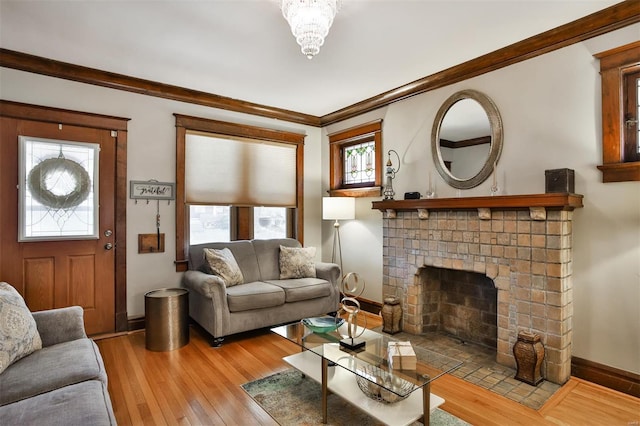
pixel 58 189
pixel 209 224
pixel 269 222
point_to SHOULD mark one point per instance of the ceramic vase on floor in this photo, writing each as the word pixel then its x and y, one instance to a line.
pixel 391 315
pixel 529 354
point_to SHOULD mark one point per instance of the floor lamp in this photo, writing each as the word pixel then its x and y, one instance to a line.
pixel 338 208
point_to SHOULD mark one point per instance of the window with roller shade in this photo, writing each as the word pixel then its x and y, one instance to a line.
pixel 224 173
pixel 236 182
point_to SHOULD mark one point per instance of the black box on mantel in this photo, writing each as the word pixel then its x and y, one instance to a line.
pixel 559 180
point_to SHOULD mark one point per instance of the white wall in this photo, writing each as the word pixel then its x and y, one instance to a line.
pixel 550 108
pixel 151 155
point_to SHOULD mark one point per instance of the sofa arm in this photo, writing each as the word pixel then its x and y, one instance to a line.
pixel 209 286
pixel 60 325
pixel 330 272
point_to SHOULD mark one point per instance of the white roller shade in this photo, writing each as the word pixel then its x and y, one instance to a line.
pixel 239 172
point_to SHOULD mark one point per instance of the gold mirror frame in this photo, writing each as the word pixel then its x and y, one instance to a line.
pixel 495 122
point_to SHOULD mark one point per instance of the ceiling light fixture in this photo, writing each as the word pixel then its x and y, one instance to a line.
pixel 310 21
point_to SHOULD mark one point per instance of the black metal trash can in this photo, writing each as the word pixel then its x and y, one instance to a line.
pixel 166 319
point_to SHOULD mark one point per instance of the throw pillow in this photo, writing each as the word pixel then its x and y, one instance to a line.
pixel 297 262
pixel 223 264
pixel 18 331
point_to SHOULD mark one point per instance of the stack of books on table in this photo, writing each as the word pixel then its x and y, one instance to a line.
pixel 401 356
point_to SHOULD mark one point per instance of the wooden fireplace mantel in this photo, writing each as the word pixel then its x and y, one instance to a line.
pixel 537 204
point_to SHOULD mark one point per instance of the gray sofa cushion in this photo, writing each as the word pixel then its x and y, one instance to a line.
pixel 50 368
pixel 268 254
pixel 60 324
pixel 298 289
pixel 255 295
pixel 85 403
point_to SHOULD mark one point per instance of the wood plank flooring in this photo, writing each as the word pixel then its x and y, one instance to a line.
pixel 200 385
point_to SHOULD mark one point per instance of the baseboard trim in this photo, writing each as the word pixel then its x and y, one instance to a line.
pixel 136 323
pixel 610 377
pixel 370 306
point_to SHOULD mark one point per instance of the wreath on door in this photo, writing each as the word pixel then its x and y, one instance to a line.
pixel 52 168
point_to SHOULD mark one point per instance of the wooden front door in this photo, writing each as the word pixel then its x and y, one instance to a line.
pixel 61 272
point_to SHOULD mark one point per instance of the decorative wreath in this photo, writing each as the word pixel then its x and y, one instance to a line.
pixel 38 177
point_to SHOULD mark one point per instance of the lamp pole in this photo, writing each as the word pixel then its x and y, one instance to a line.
pixel 337 247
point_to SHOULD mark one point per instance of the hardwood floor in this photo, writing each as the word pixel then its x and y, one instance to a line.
pixel 200 385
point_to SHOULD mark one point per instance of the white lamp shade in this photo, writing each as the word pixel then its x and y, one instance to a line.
pixel 338 208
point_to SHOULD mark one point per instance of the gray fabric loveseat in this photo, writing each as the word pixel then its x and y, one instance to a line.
pixel 64 383
pixel 261 299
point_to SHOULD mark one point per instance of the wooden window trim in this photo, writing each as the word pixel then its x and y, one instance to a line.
pixel 614 65
pixel 343 138
pixel 187 123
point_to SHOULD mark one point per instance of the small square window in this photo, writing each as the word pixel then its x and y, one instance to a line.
pixel 356 161
pixel 359 164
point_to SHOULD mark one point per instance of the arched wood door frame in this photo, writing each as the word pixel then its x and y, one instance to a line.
pixel 118 127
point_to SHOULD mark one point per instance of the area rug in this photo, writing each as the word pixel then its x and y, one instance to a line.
pixel 292 399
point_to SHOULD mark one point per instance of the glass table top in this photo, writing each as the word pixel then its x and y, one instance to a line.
pixel 370 361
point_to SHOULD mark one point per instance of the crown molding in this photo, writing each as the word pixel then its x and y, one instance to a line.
pixel 612 18
pixel 52 68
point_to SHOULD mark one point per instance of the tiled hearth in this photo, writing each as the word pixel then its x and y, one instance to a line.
pixel 479 367
pixel 522 244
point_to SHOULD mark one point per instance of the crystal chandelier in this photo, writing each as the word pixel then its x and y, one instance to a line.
pixel 310 21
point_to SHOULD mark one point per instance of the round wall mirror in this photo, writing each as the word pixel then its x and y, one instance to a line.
pixel 466 140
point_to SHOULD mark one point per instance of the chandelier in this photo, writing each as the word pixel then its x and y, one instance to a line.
pixel 310 21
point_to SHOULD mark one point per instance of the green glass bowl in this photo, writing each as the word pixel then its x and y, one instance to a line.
pixel 322 324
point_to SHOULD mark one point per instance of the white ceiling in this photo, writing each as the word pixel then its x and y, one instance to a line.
pixel 244 49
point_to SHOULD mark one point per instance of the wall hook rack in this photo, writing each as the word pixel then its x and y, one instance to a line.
pixel 152 190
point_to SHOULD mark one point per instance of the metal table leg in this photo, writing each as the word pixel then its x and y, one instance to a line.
pixel 325 366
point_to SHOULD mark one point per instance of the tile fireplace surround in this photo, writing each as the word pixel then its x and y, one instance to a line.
pixel 521 242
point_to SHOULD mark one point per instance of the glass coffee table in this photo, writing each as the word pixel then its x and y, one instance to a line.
pixel 363 376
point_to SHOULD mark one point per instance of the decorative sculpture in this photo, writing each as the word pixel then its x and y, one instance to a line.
pixel 350 306
pixel 388 191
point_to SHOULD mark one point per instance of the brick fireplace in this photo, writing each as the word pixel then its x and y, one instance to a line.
pixel 522 243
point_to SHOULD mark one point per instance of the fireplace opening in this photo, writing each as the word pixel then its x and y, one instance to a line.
pixel 462 304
